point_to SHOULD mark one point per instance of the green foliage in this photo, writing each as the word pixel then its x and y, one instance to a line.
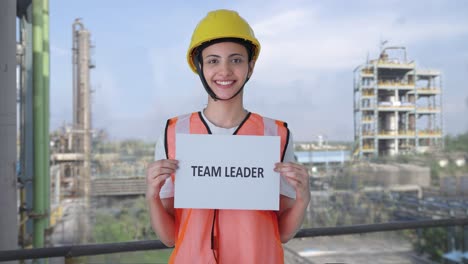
pixel 458 143
pixel 123 224
pixel 403 159
pixel 346 209
pixel 126 158
pixel 435 173
pixel 433 242
pixel 453 144
pixel 135 148
pixel 127 223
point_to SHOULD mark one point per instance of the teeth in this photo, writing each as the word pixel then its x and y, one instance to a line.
pixel 224 82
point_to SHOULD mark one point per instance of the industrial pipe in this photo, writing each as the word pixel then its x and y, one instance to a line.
pixel 39 210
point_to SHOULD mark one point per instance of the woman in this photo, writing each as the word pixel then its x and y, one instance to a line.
pixel 223 52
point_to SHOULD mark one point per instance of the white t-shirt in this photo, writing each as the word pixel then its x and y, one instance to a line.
pixel 167 190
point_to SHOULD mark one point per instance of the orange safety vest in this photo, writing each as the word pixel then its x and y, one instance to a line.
pixel 226 236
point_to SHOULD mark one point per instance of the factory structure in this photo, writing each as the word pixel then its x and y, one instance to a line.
pixel 71 148
pixel 70 159
pixel 397 107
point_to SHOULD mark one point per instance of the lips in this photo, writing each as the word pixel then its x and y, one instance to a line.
pixel 224 83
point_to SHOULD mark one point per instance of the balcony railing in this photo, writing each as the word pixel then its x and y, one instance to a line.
pixel 428 91
pixel 396 83
pixel 428 110
pixel 411 133
pixel 98 249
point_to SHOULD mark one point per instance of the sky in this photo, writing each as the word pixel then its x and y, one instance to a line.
pixel 304 74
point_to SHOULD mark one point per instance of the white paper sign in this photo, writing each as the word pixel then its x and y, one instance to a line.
pixel 227 172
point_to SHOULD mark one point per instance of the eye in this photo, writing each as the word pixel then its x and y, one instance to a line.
pixel 237 60
pixel 212 61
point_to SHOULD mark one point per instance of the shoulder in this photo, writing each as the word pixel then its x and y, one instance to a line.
pixel 268 120
pixel 183 117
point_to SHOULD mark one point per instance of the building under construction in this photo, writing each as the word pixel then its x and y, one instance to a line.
pixel 397 106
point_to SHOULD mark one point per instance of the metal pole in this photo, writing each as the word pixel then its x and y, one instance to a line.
pixel 39 211
pixel 82 112
pixel 84 76
pixel 326 156
pixel 28 125
pixel 21 174
pixel 465 242
pixel 46 79
pixel 8 203
pixel 57 185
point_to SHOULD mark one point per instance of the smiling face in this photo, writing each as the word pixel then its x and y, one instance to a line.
pixel 226 68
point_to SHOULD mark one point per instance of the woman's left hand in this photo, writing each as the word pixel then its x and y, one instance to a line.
pixel 298 177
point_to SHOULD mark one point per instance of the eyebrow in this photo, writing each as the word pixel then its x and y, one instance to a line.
pixel 232 55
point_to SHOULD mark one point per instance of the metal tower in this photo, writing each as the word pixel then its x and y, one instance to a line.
pixel 397 106
pixel 82 101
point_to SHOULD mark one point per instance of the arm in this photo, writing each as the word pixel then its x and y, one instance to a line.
pixel 292 212
pixel 161 210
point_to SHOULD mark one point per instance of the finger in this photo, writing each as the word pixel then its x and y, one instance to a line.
pixel 154 187
pixel 170 161
pixel 290 170
pixel 298 185
pixel 157 182
pixel 293 182
pixel 290 165
pixel 294 177
pixel 165 164
pixel 151 171
pixel 301 177
pixel 163 161
pixel 162 171
pixel 154 167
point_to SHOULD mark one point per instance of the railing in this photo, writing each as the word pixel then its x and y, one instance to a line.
pixel 368 93
pixel 368 133
pixel 367 71
pixel 410 133
pixel 368 148
pixel 395 83
pixel 433 90
pixel 98 249
pixel 429 133
pixel 428 109
pixel 394 63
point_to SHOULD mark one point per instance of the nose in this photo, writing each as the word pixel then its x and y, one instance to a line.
pixel 225 68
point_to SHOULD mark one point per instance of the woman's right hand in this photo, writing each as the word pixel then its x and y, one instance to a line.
pixel 156 174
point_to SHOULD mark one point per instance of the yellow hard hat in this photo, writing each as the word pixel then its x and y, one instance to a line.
pixel 221 24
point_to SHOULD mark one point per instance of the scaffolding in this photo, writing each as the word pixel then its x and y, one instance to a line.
pixel 397 107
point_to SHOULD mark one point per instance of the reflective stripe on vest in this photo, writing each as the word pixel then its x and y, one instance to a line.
pixel 226 236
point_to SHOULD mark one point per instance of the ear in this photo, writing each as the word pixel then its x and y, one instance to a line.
pixel 251 68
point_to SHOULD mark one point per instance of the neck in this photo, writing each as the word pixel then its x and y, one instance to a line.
pixel 226 114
